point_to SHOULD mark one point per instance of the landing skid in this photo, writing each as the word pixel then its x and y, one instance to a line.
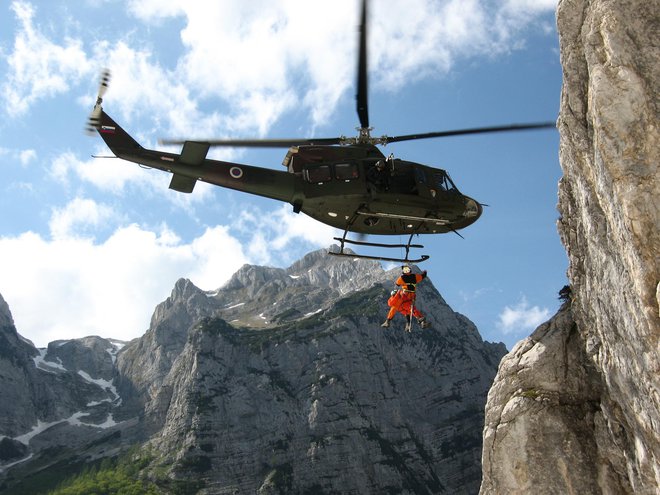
pixel 407 247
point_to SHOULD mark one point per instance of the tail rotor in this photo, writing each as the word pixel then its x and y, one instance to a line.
pixel 94 120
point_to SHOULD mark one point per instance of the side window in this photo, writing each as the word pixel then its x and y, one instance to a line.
pixel 318 174
pixel 346 171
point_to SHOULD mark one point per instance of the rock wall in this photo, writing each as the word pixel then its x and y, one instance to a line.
pixel 290 385
pixel 575 408
pixel 540 415
pixel 330 403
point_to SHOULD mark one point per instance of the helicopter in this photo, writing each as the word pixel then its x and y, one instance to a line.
pixel 345 182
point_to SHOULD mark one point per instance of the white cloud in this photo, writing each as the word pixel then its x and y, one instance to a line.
pixel 79 214
pixel 155 9
pixel 514 16
pixel 116 176
pixel 475 294
pixel 291 226
pixel 530 5
pixel 27 156
pixel 24 156
pixel 276 232
pixel 107 174
pixel 140 86
pixel 38 66
pixel 261 58
pixel 426 39
pixel 141 89
pixel 72 287
pixel 521 317
pixel 253 55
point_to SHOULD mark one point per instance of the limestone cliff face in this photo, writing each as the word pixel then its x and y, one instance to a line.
pixel 578 403
pixel 290 385
pixel 143 364
pixel 16 357
pixel 540 416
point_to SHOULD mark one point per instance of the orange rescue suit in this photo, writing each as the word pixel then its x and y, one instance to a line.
pixel 403 301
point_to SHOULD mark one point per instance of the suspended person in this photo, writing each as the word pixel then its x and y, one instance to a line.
pixel 403 300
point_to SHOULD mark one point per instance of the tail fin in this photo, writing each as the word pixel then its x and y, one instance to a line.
pixel 117 139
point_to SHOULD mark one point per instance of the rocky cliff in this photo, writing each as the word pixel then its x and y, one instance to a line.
pixel 281 381
pixel 290 386
pixel 55 401
pixel 575 408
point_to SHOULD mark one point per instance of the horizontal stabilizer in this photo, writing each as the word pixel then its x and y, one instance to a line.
pixel 182 183
pixel 193 153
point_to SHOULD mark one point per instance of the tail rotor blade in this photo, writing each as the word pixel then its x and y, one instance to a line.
pixel 94 120
pixel 104 82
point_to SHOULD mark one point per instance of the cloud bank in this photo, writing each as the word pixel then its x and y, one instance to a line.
pixel 521 318
pixel 74 285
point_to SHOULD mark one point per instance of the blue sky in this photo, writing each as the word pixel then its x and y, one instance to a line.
pixel 90 246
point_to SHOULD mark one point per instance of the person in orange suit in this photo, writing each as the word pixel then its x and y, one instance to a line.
pixel 403 300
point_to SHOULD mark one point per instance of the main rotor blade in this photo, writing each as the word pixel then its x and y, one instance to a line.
pixel 255 143
pixel 475 130
pixel 362 90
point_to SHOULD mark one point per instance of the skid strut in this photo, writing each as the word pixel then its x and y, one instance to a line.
pixel 342 241
pixel 407 247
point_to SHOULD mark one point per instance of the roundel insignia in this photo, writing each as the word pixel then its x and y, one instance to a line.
pixel 236 172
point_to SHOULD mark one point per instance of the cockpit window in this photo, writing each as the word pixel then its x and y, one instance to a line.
pixel 443 182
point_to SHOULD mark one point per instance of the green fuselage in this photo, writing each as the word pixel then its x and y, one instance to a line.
pixel 352 188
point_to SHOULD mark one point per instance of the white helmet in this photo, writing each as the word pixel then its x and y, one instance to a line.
pixel 406 269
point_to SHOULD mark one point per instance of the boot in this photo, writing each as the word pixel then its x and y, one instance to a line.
pixel 386 323
pixel 423 323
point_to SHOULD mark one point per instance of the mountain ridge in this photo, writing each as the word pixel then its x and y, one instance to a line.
pixel 280 380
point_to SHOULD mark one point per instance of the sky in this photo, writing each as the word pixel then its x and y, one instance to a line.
pixel 89 246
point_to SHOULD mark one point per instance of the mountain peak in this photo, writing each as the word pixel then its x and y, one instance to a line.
pixel 6 319
pixel 343 274
pixel 184 289
pixel 311 259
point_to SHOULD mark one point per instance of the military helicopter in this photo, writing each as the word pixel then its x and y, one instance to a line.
pixel 344 182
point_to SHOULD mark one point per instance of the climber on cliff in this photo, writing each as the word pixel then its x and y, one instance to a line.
pixel 403 300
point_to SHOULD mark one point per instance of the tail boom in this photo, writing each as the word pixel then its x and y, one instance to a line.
pixel 192 165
